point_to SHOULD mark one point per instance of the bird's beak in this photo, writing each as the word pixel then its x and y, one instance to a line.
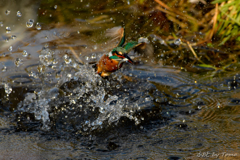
pixel 129 59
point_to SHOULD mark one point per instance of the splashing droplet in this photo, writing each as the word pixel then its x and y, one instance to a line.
pixel 38 26
pixel 18 62
pixel 13 37
pixel 67 59
pixel 10 48
pixel 4 69
pixel 147 99
pixel 87 58
pixel 19 14
pixel 29 24
pixel 94 56
pixel 55 7
pixel 24 53
pixel 7 12
pixel 46 57
pixel 95 47
pixel 7 88
pixel 177 42
pixel 8 29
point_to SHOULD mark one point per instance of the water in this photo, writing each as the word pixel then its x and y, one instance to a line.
pixel 54 107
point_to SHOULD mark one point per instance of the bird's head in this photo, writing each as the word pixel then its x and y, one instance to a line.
pixel 120 54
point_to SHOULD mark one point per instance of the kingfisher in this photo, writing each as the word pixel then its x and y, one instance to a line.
pixel 114 60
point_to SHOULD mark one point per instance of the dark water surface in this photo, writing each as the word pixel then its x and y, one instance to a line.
pixel 53 107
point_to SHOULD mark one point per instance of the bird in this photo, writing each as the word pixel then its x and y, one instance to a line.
pixel 114 60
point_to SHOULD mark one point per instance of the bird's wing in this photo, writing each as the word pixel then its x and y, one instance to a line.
pixel 117 33
pixel 133 44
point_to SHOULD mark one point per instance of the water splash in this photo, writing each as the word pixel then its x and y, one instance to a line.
pixel 38 26
pixel 46 57
pixel 79 92
pixel 7 88
pixel 37 104
pixel 24 53
pixel 8 29
pixel 10 48
pixel 29 23
pixel 7 12
pixel 18 62
pixel 19 14
pixel 4 69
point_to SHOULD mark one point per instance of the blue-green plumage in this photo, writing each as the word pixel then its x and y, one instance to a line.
pixel 122 40
pixel 113 60
pixel 124 49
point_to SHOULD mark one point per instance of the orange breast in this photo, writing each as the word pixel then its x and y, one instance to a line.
pixel 107 65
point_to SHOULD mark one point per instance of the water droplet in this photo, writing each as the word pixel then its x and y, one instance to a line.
pixel 117 86
pixel 137 123
pixel 67 59
pixel 13 37
pixel 55 7
pixel 95 47
pixel 8 29
pixel 1 24
pixel 4 69
pixel 24 53
pixel 87 58
pixel 177 42
pixel 72 101
pixel 147 99
pixel 7 12
pixel 29 24
pixel 69 75
pixel 94 56
pixel 183 121
pixel 10 48
pixel 46 57
pixel 19 14
pixel 18 62
pixel 7 88
pixel 38 26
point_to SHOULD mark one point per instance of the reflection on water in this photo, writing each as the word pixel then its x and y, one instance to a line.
pixel 53 107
